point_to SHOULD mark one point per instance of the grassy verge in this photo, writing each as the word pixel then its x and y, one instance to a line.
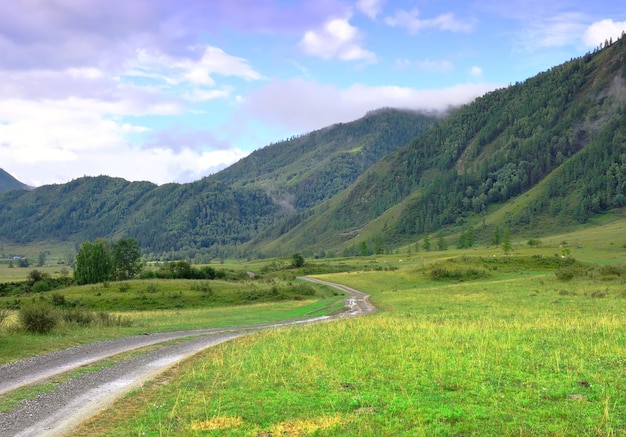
pixel 189 308
pixel 514 352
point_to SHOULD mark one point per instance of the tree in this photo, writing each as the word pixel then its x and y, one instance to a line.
pixel 379 243
pixel 506 241
pixel 93 263
pixel 364 250
pixel 180 269
pixel 297 260
pixel 496 240
pixel 426 243
pixel 104 261
pixel 126 258
pixel 42 259
pixel 441 242
pixel 466 239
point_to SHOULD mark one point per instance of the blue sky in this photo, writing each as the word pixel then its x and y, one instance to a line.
pixel 171 91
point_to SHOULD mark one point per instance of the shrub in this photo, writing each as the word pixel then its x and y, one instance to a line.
pixel 36 276
pixel 39 317
pixel 202 286
pixel 564 274
pixel 79 316
pixel 443 274
pixel 58 299
pixel 106 319
pixel 4 314
pixel 147 274
pixel 41 286
pixel 612 270
pixel 304 290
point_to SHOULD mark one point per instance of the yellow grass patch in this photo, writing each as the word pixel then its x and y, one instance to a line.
pixel 304 427
pixel 219 422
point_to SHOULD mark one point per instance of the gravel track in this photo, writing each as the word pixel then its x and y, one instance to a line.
pixel 57 412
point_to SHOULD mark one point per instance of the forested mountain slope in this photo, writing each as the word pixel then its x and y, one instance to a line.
pixel 305 170
pixel 168 221
pixel 568 123
pixel 213 216
pixel 8 182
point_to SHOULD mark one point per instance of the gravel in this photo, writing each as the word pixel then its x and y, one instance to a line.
pixel 57 412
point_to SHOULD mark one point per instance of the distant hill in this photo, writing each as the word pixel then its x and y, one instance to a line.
pixel 214 216
pixel 8 182
pixel 536 156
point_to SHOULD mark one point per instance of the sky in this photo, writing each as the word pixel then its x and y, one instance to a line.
pixel 172 91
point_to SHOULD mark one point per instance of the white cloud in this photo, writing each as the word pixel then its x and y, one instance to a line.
pixel 410 20
pixel 476 71
pixel 426 65
pixel 156 165
pixel 604 30
pixel 51 141
pixel 337 39
pixel 371 8
pixel 553 31
pixel 173 71
pixel 198 95
pixel 281 102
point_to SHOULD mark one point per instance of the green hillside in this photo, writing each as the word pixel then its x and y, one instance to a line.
pixel 8 182
pixel 311 168
pixel 566 126
pixel 169 221
pixel 212 217
pixel 544 154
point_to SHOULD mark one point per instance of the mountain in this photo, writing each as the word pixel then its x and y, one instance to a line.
pixel 555 143
pixel 546 153
pixel 213 216
pixel 8 182
pixel 306 170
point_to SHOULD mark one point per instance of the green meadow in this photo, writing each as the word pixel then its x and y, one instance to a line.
pixel 465 342
pixel 104 311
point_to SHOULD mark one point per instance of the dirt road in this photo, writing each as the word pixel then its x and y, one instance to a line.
pixel 57 412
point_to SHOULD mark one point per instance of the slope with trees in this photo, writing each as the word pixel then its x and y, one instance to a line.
pixel 567 124
pixel 211 217
pixel 308 169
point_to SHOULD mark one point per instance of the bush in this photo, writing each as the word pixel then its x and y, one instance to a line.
pixel 4 314
pixel 39 317
pixel 443 274
pixel 106 319
pixel 564 274
pixel 58 300
pixel 41 286
pixel 79 316
pixel 202 286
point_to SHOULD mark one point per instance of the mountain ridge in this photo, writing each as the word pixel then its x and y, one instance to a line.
pixel 207 218
pixel 9 183
pixel 561 134
pixel 570 117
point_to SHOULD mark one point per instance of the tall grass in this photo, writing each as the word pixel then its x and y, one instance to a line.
pixel 511 354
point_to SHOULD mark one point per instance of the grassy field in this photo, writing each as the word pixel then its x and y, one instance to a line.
pixel 466 343
pixel 157 306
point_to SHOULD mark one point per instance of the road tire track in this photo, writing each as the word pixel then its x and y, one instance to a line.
pixel 57 412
